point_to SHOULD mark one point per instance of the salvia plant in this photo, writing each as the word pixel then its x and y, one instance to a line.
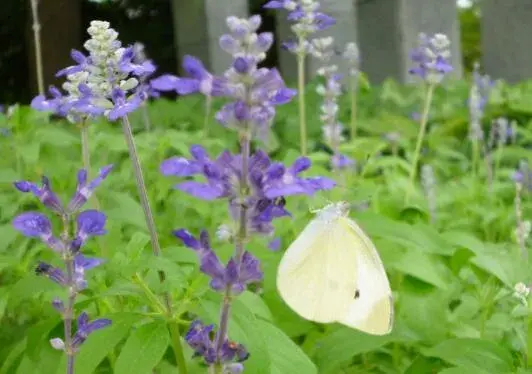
pixel 253 185
pixel 77 228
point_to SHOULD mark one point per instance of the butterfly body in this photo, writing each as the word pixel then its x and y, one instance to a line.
pixel 332 273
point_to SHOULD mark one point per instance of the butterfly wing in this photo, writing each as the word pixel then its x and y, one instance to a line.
pixel 371 310
pixel 315 276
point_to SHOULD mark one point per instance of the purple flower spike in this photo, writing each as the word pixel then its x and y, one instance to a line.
pixel 431 58
pixel 85 328
pixel 44 194
pixel 83 190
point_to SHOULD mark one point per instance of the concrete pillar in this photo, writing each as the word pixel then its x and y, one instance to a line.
pixel 388 30
pixel 198 24
pixel 506 43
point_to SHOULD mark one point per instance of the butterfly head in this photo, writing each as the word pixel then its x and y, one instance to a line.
pixel 335 210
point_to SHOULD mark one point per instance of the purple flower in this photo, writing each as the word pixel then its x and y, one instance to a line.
pixel 85 190
pixel 269 182
pixel 89 223
pixel 200 338
pixel 43 193
pixel 86 327
pixel 200 80
pixel 304 13
pixel 340 162
pixel 81 264
pixel 55 274
pixel 236 275
pixel 432 58
pixel 37 225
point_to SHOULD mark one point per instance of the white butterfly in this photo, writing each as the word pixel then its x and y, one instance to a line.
pixel 332 273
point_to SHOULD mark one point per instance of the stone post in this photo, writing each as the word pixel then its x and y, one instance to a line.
pixel 198 24
pixel 388 30
pixel 506 44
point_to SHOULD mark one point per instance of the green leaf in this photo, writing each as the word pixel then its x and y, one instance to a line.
pixel 475 354
pixel 286 357
pixel 338 348
pixel 256 305
pixel 144 349
pixel 426 267
pixel 100 344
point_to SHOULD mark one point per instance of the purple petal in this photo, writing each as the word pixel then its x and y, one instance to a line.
pixel 33 224
pixel 274 244
pixel 165 82
pixel 187 238
pixel 180 167
pixel 300 165
pixel 91 223
pixel 274 4
pixel 86 263
pixel 201 190
pixel 194 68
pixel 186 86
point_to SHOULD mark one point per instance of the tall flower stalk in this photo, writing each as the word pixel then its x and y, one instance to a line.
pixel 429 183
pixel 478 97
pixel 252 184
pixel 110 81
pixel 431 64
pixel 37 41
pixel 352 56
pixel 68 246
pixel 521 231
pixel 307 21
pixel 331 89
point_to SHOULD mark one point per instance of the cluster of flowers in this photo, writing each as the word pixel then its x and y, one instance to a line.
pixel 88 223
pixel 109 80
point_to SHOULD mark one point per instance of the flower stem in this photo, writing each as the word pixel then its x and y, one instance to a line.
pixel 208 106
pixel 37 41
pixel 85 151
pixel 68 313
pixel 239 249
pixel 420 137
pixel 156 249
pixel 475 157
pixel 353 89
pixel 520 224
pixel 302 109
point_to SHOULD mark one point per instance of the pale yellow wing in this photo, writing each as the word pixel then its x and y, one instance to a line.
pixel 316 274
pixel 371 310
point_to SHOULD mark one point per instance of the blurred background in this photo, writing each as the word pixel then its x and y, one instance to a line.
pixel 172 28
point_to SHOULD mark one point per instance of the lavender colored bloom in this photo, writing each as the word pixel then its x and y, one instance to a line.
pixel 200 80
pixel 268 181
pixel 55 274
pixel 432 58
pixel 108 81
pixel 341 162
pixel 200 338
pixel 37 225
pixel 86 327
pixel 89 223
pixel 43 193
pixel 81 264
pixel 233 276
pixel 85 190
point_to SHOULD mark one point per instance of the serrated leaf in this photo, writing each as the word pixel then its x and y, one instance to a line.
pixel 144 349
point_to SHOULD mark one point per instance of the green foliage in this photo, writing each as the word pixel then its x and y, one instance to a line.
pixel 452 280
